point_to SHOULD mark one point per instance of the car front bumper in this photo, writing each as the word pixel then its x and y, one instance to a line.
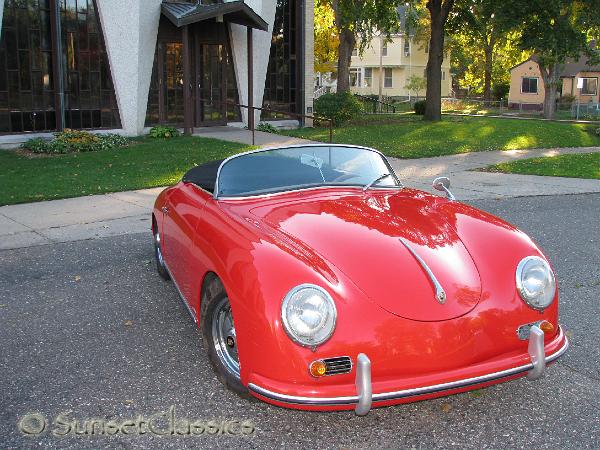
pixel 364 398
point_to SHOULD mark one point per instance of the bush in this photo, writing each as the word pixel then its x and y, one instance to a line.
pixel 267 128
pixel 566 100
pixel 500 90
pixel 339 107
pixel 420 108
pixel 163 132
pixel 598 132
pixel 74 141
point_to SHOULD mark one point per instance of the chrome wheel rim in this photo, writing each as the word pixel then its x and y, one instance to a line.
pixel 159 255
pixel 224 338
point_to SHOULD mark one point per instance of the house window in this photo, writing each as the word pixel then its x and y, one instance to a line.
pixel 443 75
pixel 354 52
pixel 355 77
pixel 406 47
pixel 368 77
pixel 384 50
pixel 529 85
pixel 387 77
pixel 589 86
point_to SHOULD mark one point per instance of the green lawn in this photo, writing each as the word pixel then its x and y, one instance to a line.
pixel 583 165
pixel 407 136
pixel 145 163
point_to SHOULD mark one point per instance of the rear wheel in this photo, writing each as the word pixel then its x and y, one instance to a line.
pixel 158 256
pixel 220 339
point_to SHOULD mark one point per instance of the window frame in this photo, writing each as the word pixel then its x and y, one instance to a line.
pixel 537 85
pixel 384 49
pixel 584 83
pixel 359 76
pixel 386 78
pixel 405 49
pixel 370 77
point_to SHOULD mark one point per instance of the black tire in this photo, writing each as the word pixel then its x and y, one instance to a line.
pixel 160 263
pixel 214 299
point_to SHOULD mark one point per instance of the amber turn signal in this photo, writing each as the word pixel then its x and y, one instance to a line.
pixel 317 368
pixel 546 327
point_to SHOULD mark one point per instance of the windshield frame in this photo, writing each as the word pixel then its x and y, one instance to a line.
pixel 216 195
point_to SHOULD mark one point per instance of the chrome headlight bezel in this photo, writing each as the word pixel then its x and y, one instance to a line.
pixel 293 334
pixel 531 300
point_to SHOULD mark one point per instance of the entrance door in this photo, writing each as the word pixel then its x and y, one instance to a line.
pixel 211 84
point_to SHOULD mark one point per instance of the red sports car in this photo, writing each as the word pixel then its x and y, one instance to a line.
pixel 320 282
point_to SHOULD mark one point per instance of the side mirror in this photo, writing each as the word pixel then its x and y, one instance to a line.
pixel 443 184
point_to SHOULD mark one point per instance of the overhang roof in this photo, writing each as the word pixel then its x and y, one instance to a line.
pixel 237 12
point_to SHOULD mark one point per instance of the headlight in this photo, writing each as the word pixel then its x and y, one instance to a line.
pixel 308 313
pixel 535 282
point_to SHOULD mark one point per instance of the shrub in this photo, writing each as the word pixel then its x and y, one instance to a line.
pixel 74 141
pixel 567 99
pixel 163 132
pixel 339 107
pixel 501 90
pixel 267 128
pixel 598 132
pixel 420 108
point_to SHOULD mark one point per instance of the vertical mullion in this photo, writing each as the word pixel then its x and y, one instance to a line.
pixel 57 72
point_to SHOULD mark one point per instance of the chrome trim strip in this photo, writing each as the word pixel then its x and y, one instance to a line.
pixel 440 294
pixel 333 401
pixel 181 297
pixel 226 160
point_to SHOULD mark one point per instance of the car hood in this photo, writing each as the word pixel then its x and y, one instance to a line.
pixel 361 235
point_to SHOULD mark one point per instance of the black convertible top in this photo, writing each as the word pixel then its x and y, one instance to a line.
pixel 203 175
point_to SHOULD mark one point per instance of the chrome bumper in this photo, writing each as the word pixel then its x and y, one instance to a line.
pixel 365 396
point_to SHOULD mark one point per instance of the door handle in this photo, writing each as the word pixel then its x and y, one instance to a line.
pixel 165 209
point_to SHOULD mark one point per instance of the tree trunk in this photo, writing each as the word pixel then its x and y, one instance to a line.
pixel 438 11
pixel 550 78
pixel 489 61
pixel 347 43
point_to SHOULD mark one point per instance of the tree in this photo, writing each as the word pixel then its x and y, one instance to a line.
pixel 357 21
pixel 555 30
pixel 482 25
pixel 326 38
pixel 416 84
pixel 439 11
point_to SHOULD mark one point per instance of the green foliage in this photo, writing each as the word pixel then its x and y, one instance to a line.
pixel 567 99
pixel 75 141
pixel 267 128
pixel 416 84
pixel 500 90
pixel 420 108
pixel 339 107
pixel 598 132
pixel 163 132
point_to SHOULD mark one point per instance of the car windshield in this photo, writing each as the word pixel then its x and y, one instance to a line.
pixel 284 169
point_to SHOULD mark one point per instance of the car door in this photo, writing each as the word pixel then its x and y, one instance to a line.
pixel 182 215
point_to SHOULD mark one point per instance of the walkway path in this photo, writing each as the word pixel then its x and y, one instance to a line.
pixel 97 216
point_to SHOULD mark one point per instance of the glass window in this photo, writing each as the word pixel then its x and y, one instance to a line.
pixel 529 85
pixel 406 47
pixel 589 86
pixel 355 77
pixel 387 80
pixel 355 52
pixel 368 77
pixel 384 50
pixel 443 75
pixel 285 169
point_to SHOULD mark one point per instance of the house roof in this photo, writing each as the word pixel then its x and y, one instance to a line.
pixel 181 14
pixel 571 68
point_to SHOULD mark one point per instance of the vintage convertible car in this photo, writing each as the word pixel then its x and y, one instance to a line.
pixel 320 282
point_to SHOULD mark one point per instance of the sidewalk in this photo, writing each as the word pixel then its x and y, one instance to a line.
pixel 121 213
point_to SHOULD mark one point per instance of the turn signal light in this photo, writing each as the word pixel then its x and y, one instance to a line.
pixel 317 368
pixel 546 327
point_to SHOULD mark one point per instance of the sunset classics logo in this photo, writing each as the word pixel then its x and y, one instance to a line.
pixel 163 423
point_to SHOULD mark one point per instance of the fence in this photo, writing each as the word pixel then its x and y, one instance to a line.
pixel 374 106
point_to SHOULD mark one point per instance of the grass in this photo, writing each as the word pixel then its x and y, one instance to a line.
pixel 581 165
pixel 145 163
pixel 408 136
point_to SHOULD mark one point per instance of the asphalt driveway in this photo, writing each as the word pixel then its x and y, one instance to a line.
pixel 89 331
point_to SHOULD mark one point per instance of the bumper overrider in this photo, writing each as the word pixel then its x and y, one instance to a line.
pixel 364 398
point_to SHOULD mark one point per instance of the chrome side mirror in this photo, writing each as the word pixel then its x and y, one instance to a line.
pixel 443 184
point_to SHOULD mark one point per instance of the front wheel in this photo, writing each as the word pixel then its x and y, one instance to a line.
pixel 161 268
pixel 220 338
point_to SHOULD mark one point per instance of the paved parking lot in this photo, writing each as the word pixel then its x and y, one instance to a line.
pixel 89 331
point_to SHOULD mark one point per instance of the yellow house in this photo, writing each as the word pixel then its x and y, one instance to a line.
pixel 578 79
pixel 401 58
